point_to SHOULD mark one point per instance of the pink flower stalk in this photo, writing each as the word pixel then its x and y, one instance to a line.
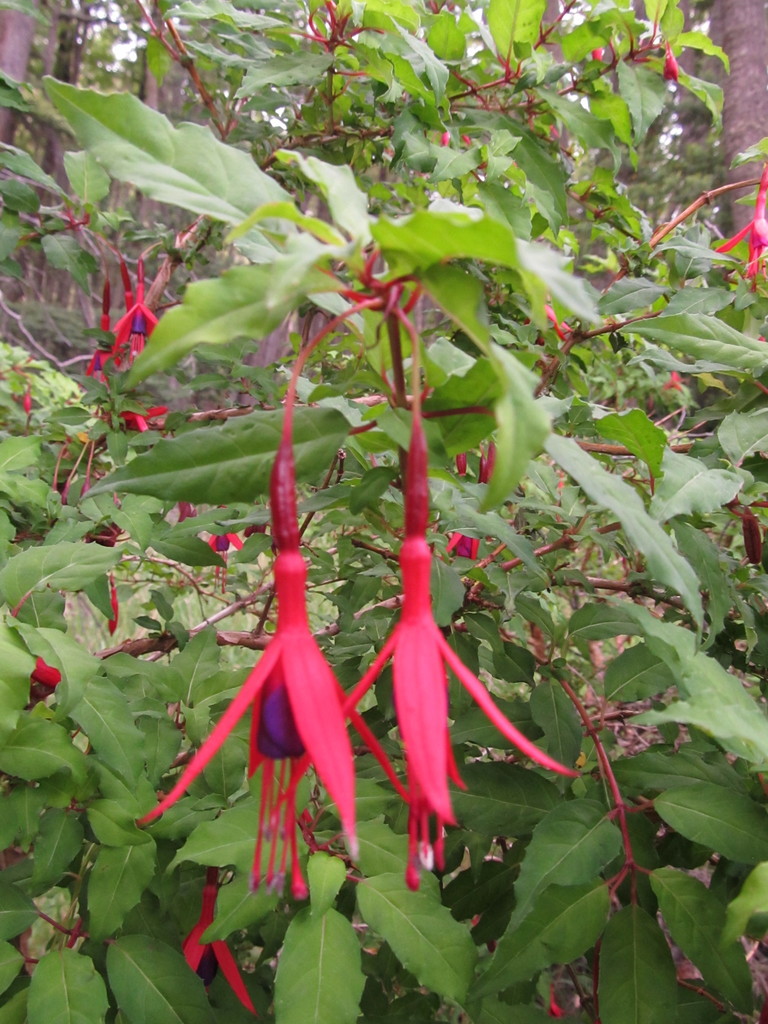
pixel 756 230
pixel 205 958
pixel 296 709
pixel 671 67
pixel 420 655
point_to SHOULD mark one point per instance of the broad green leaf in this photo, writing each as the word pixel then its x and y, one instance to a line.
pixel 17 911
pixel 104 715
pixel 319 977
pixel 638 984
pixel 10 964
pixel 553 712
pixel 717 703
pixel 67 565
pixel 348 205
pixel 58 842
pixel 18 453
pixel 63 252
pixel 565 922
pixel 37 748
pixel 195 665
pixel 635 431
pixel 521 426
pixel 514 21
pixel 569 846
pixel 688 487
pixel 644 92
pixel 115 884
pixel 628 294
pixel 285 69
pixel 382 851
pixel 245 302
pixel 238 906
pixel 426 939
pixel 696 918
pixel 503 799
pixel 229 463
pixel 221 10
pixel 185 166
pixel 635 674
pixel 752 899
pixel 326 876
pixel 228 839
pixel 720 818
pixel 86 176
pixel 664 561
pixel 658 768
pixel 14 680
pixel 740 434
pixel 461 296
pixel 153 982
pixel 66 989
pixel 707 338
pixel 595 621
pixel 447 591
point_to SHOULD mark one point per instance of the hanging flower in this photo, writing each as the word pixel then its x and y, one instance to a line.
pixel 97 366
pixel 133 329
pixel 756 231
pixel 674 383
pixel 137 421
pixel 420 655
pixel 671 67
pixel 205 958
pixel 296 710
pixel 45 674
pixel 114 604
pixel 221 543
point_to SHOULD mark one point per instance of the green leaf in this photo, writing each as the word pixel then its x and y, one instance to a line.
pixel 153 982
pixel 664 561
pixel 644 92
pixel 64 253
pixel 707 338
pixel 228 839
pixel 319 977
pixel 185 166
pixel 326 876
pixel 67 565
pixel 553 712
pixel 17 911
pixel 656 769
pixel 104 715
pixel 569 846
pixel 19 453
pixel 10 964
pixel 636 432
pixel 514 21
pixel 688 487
pixel 382 851
pixel 565 922
pixel 66 989
pixel 595 621
pixel 37 748
pixel 752 899
pixel 426 939
pixel 245 302
pixel 348 205
pixel 115 884
pixel 521 426
pixel 724 820
pixel 86 176
pixel 447 591
pixel 637 673
pixel 229 463
pixel 462 298
pixel 503 799
pixel 696 918
pixel 742 433
pixel 638 983
pixel 58 842
pixel 237 907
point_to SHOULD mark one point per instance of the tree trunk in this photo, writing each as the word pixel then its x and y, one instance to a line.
pixel 16 33
pixel 745 110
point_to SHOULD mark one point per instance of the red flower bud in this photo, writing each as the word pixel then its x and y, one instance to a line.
pixel 45 674
pixel 671 67
pixel 753 537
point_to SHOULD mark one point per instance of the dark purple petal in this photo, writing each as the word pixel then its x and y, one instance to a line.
pixel 277 736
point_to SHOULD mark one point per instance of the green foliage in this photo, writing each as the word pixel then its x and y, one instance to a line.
pixel 386 197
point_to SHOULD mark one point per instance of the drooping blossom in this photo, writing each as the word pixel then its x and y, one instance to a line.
pixel 114 605
pixel 97 367
pixel 221 543
pixel 460 543
pixel 420 655
pixel 133 329
pixel 205 958
pixel 141 422
pixel 295 702
pixel 674 383
pixel 756 231
pixel 671 67
pixel 45 674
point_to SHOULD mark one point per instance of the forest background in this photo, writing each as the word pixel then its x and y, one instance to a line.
pixel 539 229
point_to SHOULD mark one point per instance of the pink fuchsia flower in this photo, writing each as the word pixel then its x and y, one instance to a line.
pixel 45 674
pixel 133 329
pixel 671 67
pixel 135 421
pixel 115 606
pixel 463 546
pixel 675 382
pixel 97 367
pixel 756 231
pixel 295 702
pixel 221 543
pixel 420 656
pixel 205 958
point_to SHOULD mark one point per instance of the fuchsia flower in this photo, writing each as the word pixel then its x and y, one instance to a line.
pixel 45 675
pixel 115 606
pixel 671 67
pixel 205 958
pixel 133 329
pixel 221 543
pixel 675 382
pixel 756 230
pixel 420 655
pixel 469 547
pixel 295 702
